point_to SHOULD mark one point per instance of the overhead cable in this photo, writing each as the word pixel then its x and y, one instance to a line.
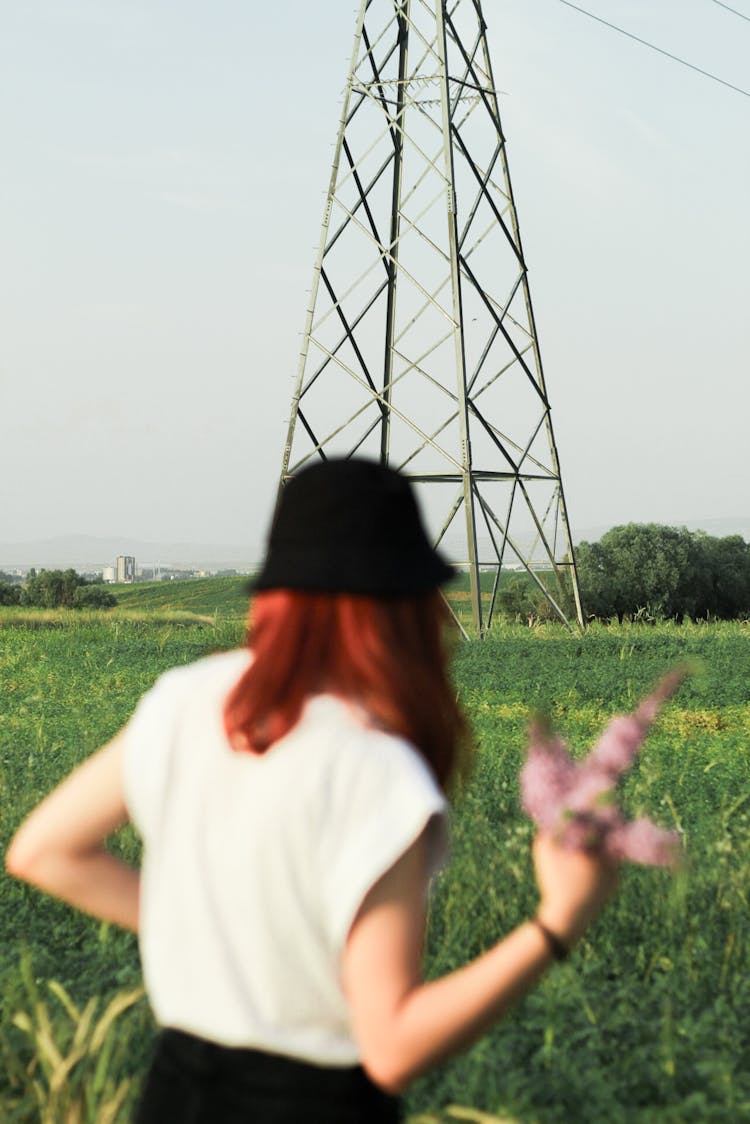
pixel 660 50
pixel 740 14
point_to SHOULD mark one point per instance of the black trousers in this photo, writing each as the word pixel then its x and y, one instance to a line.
pixel 192 1081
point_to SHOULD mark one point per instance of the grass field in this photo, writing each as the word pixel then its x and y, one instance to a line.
pixel 208 597
pixel 649 1020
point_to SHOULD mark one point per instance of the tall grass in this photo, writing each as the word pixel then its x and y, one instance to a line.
pixel 65 1064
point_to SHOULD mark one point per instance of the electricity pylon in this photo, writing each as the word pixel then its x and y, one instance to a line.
pixel 420 347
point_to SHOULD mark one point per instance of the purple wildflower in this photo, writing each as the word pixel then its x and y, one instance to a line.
pixel 552 774
pixel 576 800
pixel 642 841
pixel 617 747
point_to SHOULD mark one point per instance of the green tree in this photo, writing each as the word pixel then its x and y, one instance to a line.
pixel 93 596
pixel 594 567
pixel 10 594
pixel 664 572
pixel 50 589
pixel 640 566
pixel 728 563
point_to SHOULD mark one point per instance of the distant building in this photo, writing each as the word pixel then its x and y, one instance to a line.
pixel 125 568
pixel 109 574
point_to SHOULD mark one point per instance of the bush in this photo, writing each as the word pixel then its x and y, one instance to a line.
pixel 93 597
pixel 9 594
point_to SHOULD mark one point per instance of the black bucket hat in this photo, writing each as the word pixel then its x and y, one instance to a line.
pixel 350 526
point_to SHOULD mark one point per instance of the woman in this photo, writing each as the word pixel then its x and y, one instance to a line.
pixel 291 800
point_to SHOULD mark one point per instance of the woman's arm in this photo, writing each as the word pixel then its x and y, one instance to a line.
pixel 60 846
pixel 404 1025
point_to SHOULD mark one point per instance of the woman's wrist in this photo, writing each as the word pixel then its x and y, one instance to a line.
pixel 567 925
pixel 558 947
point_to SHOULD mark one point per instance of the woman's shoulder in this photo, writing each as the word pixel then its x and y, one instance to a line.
pixel 220 668
pixel 358 752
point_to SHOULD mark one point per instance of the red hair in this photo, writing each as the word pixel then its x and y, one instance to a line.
pixel 389 655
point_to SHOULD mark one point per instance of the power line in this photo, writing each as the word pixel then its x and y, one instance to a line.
pixel 740 14
pixel 660 50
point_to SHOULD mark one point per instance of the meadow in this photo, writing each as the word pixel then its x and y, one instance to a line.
pixel 649 1019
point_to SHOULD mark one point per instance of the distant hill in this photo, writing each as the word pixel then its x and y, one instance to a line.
pixel 86 552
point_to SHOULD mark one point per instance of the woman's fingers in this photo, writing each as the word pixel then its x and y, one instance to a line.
pixel 573 885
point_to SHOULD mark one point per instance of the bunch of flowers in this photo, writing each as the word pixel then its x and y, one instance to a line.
pixel 576 801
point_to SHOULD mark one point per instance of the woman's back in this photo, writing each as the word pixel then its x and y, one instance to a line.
pixel 255 865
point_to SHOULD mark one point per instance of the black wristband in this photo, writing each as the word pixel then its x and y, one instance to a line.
pixel 557 947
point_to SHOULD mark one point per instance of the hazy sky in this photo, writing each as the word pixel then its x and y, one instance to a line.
pixel 162 178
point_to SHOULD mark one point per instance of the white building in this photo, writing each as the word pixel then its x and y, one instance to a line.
pixel 125 568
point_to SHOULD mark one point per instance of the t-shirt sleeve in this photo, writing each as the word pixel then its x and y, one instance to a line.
pixel 385 798
pixel 148 737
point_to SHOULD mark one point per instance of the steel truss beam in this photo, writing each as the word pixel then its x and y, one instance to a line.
pixel 420 346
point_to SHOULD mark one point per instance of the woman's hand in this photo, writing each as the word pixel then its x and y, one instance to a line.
pixel 573 886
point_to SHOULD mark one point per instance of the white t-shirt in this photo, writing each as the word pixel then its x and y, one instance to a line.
pixel 255 866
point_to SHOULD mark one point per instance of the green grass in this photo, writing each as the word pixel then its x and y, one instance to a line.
pixel 206 596
pixel 650 1018
pixel 215 598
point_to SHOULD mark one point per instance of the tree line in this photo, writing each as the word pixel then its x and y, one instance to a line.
pixel 648 571
pixel 644 570
pixel 56 589
pixel 664 573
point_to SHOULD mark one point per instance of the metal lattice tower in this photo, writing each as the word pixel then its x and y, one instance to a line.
pixel 420 347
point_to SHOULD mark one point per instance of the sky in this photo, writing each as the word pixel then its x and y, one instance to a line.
pixel 162 179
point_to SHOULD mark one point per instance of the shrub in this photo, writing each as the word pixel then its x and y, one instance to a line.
pixel 93 597
pixel 9 594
